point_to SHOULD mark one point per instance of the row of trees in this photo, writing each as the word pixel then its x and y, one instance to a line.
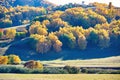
pixel 108 11
pixel 15 60
pixel 42 41
pixel 62 29
pixel 10 59
pixel 19 15
pixel 82 17
pixel 7 34
pixel 77 16
pixel 72 37
pixel 74 16
pixel 12 34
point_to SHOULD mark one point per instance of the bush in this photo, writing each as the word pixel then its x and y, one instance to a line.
pixel 72 70
pixel 14 59
pixel 4 69
pixel 36 71
pixel 3 60
pixel 34 65
pixel 20 35
pixel 13 69
pixel 100 71
pixel 16 69
pixel 57 70
pixel 1 33
pixel 54 71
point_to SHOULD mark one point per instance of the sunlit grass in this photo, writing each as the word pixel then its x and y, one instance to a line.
pixel 59 76
pixel 102 62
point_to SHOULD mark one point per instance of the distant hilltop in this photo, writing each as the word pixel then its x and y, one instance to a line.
pixel 35 3
pixel 116 3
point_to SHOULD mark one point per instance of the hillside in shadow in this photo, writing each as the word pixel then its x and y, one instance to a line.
pixel 25 52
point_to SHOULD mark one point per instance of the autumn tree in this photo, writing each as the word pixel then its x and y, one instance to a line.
pixel 56 24
pixel 14 59
pixel 93 38
pixel 10 33
pixel 56 14
pixel 33 65
pixel 107 11
pixel 38 28
pixel 104 26
pixel 56 43
pixel 81 17
pixel 5 23
pixel 46 22
pixel 43 43
pixel 114 28
pixel 41 31
pixel 18 15
pixel 104 38
pixel 82 42
pixel 68 40
pixel 3 60
pixel 1 33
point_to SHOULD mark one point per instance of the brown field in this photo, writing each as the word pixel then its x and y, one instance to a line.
pixel 59 76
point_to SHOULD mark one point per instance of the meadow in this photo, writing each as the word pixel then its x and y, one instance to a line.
pixel 59 76
pixel 113 61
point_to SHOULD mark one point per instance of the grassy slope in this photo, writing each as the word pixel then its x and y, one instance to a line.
pixel 23 49
pixel 102 62
pixel 60 77
pixel 89 57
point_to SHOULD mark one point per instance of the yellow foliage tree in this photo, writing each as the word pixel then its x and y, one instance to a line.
pixel 57 14
pixel 41 31
pixel 14 59
pixel 3 60
pixel 43 43
pixel 46 22
pixel 82 43
pixel 37 28
pixel 17 60
pixel 10 33
pixel 104 38
pixel 57 44
pixel 33 65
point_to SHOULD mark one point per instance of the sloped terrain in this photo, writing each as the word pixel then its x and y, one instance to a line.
pixel 25 52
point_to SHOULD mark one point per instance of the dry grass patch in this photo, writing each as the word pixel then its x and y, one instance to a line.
pixel 59 76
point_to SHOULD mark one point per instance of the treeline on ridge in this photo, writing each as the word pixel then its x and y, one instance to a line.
pixel 19 15
pixel 75 28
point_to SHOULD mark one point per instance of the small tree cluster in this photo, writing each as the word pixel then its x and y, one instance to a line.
pixel 33 65
pixel 19 15
pixel 74 37
pixel 56 43
pixel 3 60
pixel 10 59
pixel 10 33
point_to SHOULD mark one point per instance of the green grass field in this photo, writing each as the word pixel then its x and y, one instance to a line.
pixel 59 76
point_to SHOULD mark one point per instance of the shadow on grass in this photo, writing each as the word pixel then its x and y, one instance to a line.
pixel 23 49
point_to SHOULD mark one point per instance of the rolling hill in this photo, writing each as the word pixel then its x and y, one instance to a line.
pixel 74 34
pixel 35 3
pixel 25 52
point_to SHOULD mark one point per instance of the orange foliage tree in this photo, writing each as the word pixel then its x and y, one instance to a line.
pixel 33 65
pixel 14 59
pixel 3 60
